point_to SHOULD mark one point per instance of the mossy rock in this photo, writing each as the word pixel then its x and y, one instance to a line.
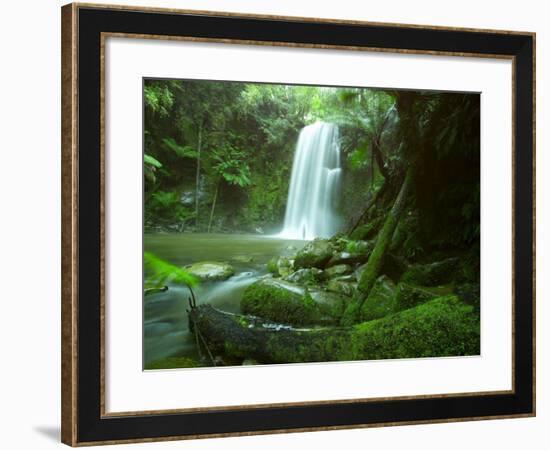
pixel 210 270
pixel 287 303
pixel 314 254
pixel 433 274
pixel 381 300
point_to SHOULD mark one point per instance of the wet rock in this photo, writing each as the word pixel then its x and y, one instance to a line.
pixel 315 254
pixel 337 271
pixel 210 270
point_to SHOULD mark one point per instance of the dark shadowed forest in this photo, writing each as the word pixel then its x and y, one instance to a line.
pixel 291 224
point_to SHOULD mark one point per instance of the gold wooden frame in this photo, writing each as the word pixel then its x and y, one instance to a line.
pixel 69 250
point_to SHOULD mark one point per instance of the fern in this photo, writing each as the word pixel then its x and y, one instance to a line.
pixel 160 273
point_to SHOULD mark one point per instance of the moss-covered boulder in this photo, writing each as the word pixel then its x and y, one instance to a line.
pixel 284 302
pixel 381 300
pixel 210 270
pixel 314 254
pixel 433 274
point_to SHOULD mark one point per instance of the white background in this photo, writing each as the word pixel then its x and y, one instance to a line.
pixel 30 225
pixel 128 60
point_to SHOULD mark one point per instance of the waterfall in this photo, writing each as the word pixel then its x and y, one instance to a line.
pixel 314 184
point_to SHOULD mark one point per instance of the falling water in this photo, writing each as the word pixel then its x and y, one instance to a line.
pixel 314 184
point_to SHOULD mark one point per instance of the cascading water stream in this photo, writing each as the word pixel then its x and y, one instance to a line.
pixel 314 184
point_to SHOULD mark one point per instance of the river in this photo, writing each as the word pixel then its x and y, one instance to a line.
pixel 165 326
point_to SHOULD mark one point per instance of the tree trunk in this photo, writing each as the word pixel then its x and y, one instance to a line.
pixel 376 258
pixel 213 206
pixel 241 336
pixel 197 180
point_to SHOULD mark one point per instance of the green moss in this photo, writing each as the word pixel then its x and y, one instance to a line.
pixel 174 362
pixel 441 327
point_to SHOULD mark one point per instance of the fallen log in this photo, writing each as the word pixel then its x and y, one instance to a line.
pixel 441 327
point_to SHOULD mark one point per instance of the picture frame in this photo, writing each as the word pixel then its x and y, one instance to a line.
pixel 85 419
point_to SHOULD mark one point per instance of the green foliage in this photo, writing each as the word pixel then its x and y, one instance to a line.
pixel 150 166
pixel 181 151
pixel 160 273
pixel 158 98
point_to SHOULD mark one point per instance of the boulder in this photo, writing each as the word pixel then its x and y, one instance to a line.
pixel 210 270
pixel 314 254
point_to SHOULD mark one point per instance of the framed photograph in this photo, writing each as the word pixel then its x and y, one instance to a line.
pixel 281 224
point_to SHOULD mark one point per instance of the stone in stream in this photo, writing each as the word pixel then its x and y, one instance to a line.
pixel 210 270
pixel 242 258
